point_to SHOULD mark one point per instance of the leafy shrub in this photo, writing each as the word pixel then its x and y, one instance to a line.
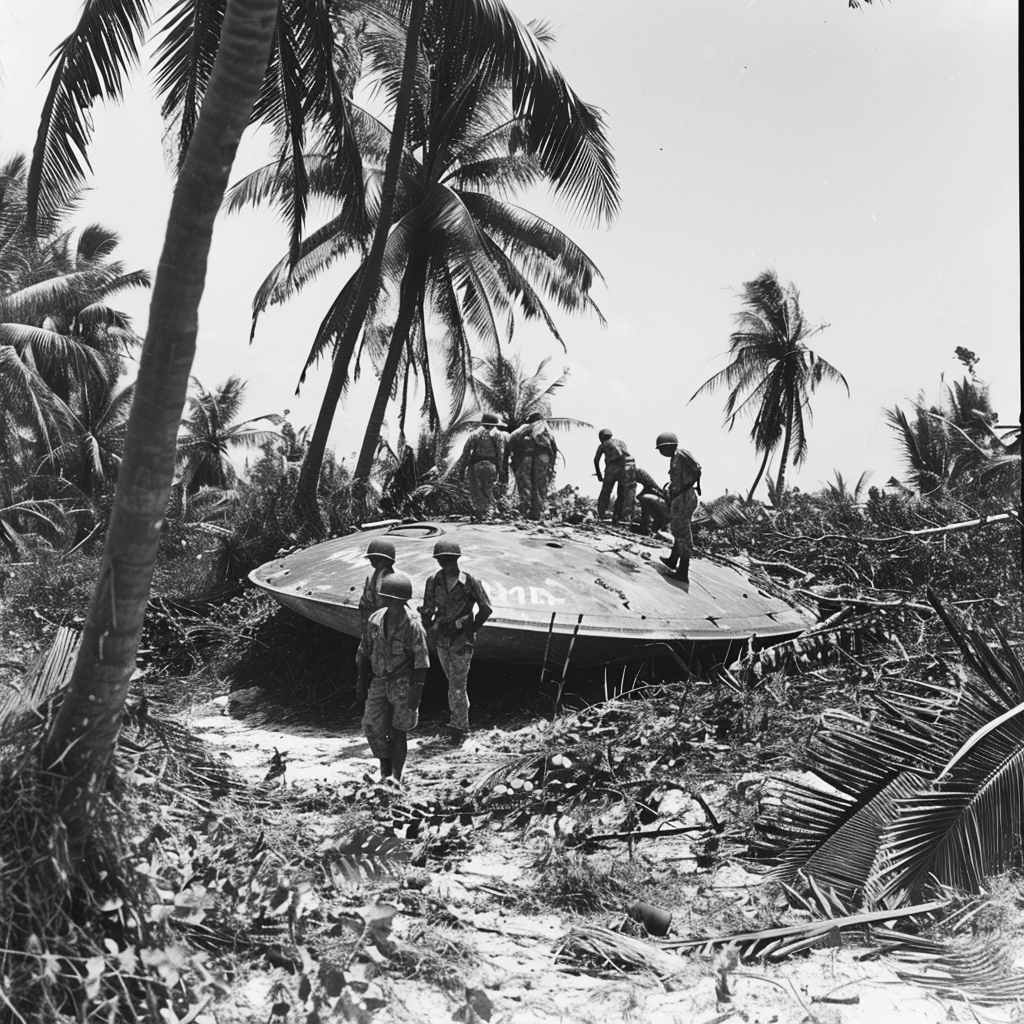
pixel 42 594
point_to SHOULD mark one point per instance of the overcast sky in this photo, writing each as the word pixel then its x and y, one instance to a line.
pixel 870 157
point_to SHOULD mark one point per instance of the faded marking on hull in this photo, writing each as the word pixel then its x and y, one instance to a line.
pixel 501 596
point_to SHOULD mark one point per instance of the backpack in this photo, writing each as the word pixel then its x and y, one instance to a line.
pixel 691 468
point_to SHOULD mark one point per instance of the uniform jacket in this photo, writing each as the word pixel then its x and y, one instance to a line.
pixel 680 473
pixel 613 450
pixel 529 439
pixel 443 605
pixel 485 443
pixel 395 655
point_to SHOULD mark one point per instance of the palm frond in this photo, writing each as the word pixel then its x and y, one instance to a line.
pixel 184 61
pixel 930 792
pixel 89 64
pixel 45 677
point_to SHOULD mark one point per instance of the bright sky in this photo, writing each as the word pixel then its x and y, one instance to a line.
pixel 870 157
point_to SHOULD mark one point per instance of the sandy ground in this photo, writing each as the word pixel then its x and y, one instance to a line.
pixel 520 974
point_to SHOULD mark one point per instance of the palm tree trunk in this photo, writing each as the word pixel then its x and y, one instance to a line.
pixel 760 473
pixel 79 747
pixel 780 481
pixel 406 311
pixel 309 476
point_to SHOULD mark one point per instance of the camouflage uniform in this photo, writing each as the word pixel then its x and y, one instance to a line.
pixel 484 459
pixel 682 502
pixel 392 661
pixel 371 600
pixel 442 605
pixel 532 449
pixel 620 469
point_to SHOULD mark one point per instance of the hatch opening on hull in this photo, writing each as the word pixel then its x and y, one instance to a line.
pixel 418 531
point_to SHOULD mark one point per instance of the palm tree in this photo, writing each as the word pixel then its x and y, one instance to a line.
pixel 953 447
pixel 210 433
pixel 79 745
pixel 90 454
pixel 468 47
pixel 458 253
pixel 841 493
pixel 307 91
pixel 926 795
pixel 61 344
pixel 773 373
pixel 307 82
pixel 513 394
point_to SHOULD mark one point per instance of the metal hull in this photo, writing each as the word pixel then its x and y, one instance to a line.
pixel 550 587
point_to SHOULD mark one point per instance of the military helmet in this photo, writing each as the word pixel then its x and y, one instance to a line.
pixel 489 419
pixel 447 547
pixel 666 438
pixel 397 584
pixel 382 547
pixel 534 416
pixel 604 434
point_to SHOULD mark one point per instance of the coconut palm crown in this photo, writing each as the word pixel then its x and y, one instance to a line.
pixel 209 433
pixel 60 339
pixel 507 389
pixel 460 258
pixel 772 373
pixel 307 83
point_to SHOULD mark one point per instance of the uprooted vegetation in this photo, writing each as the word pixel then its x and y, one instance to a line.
pixel 761 803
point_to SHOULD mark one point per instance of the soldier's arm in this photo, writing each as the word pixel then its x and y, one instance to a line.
pixel 484 608
pixel 416 684
pixel 428 609
pixel 597 464
pixel 421 662
pixel 502 458
pixel 366 603
pixel 363 672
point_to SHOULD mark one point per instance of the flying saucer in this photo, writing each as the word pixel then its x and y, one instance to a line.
pixel 603 593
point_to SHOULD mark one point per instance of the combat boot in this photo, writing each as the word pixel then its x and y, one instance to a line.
pixel 682 572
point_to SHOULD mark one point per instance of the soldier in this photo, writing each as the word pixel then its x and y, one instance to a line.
pixel 483 459
pixel 455 606
pixel 391 665
pixel 381 554
pixel 683 488
pixel 532 449
pixel 619 472
pixel 654 514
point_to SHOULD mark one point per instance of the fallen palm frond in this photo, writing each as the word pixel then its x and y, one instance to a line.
pixel 777 943
pixel 980 967
pixel 604 948
pixel 843 631
pixel 725 510
pixel 45 677
pixel 931 791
